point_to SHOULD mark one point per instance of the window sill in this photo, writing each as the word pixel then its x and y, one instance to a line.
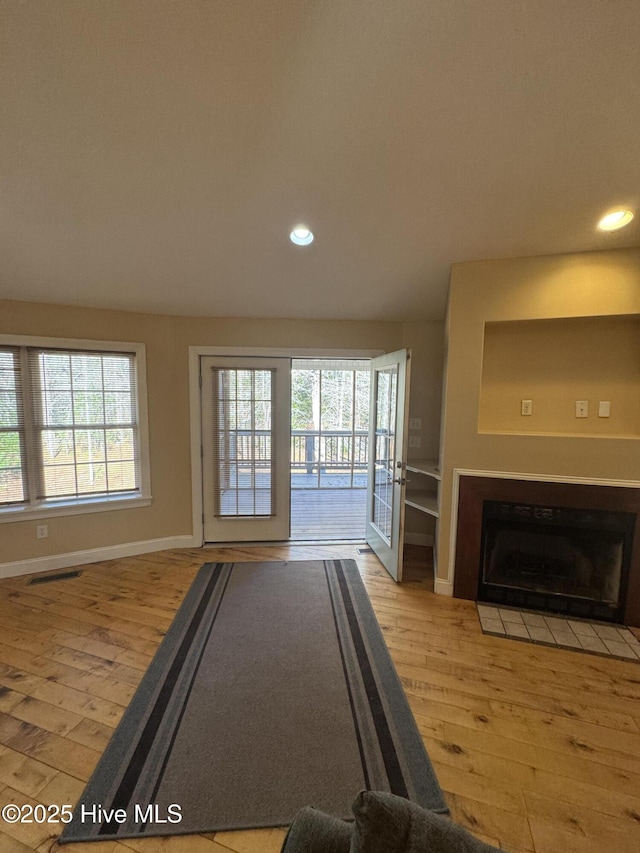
pixel 51 509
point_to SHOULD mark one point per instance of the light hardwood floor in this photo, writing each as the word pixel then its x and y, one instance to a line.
pixel 537 749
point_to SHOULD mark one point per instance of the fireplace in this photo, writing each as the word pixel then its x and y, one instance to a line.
pixel 559 559
pixel 559 547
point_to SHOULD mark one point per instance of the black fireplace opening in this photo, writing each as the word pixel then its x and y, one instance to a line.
pixel 562 560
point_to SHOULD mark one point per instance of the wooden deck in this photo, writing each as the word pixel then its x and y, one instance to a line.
pixel 327 514
pixel 537 749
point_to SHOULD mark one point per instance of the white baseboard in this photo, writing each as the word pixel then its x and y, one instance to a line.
pixel 424 539
pixel 95 555
pixel 442 587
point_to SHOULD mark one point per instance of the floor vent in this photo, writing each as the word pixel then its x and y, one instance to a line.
pixel 365 550
pixel 62 576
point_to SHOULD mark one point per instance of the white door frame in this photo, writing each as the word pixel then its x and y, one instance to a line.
pixel 195 352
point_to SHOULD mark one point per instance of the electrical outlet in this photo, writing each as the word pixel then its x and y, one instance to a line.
pixel 415 423
pixel 582 408
pixel 526 407
pixel 42 531
pixel 414 441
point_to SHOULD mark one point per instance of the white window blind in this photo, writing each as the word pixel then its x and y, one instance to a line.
pixel 71 424
pixel 243 442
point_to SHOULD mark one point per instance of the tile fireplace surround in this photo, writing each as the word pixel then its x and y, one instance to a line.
pixel 474 490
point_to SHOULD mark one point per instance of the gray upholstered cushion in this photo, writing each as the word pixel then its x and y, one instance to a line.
pixel 313 831
pixel 389 824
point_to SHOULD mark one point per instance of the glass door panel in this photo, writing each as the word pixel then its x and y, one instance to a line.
pixel 245 410
pixel 387 438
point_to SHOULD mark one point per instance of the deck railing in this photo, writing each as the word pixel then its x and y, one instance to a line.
pixel 319 459
pixel 329 458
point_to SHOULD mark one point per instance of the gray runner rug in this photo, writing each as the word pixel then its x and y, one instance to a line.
pixel 273 689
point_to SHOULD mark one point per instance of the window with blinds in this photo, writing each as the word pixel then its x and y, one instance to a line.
pixel 13 486
pixel 243 442
pixel 69 426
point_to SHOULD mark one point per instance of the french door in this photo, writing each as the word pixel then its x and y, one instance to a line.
pixel 246 413
pixel 387 458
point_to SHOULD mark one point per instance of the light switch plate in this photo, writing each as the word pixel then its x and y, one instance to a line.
pixel 604 409
pixel 415 423
pixel 414 441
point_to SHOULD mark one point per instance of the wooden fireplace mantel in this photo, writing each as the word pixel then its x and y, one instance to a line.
pixel 473 491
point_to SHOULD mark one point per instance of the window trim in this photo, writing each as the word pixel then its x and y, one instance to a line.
pixel 52 507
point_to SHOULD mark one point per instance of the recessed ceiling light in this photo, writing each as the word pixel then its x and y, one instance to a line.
pixel 301 236
pixel 616 219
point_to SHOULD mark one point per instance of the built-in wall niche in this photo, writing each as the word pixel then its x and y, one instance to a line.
pixel 553 364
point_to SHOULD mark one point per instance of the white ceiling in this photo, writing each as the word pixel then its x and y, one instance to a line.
pixel 155 154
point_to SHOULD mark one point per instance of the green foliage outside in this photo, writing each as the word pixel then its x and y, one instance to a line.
pixel 330 400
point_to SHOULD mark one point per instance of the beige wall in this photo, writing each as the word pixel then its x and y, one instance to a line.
pixel 595 284
pixel 425 340
pixel 167 341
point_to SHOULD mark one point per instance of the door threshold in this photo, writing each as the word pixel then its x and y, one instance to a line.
pixel 285 542
pixel 308 542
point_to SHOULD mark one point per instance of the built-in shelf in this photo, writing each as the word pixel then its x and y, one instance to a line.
pixel 425 466
pixel 424 501
pixel 422 491
pixel 540 434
